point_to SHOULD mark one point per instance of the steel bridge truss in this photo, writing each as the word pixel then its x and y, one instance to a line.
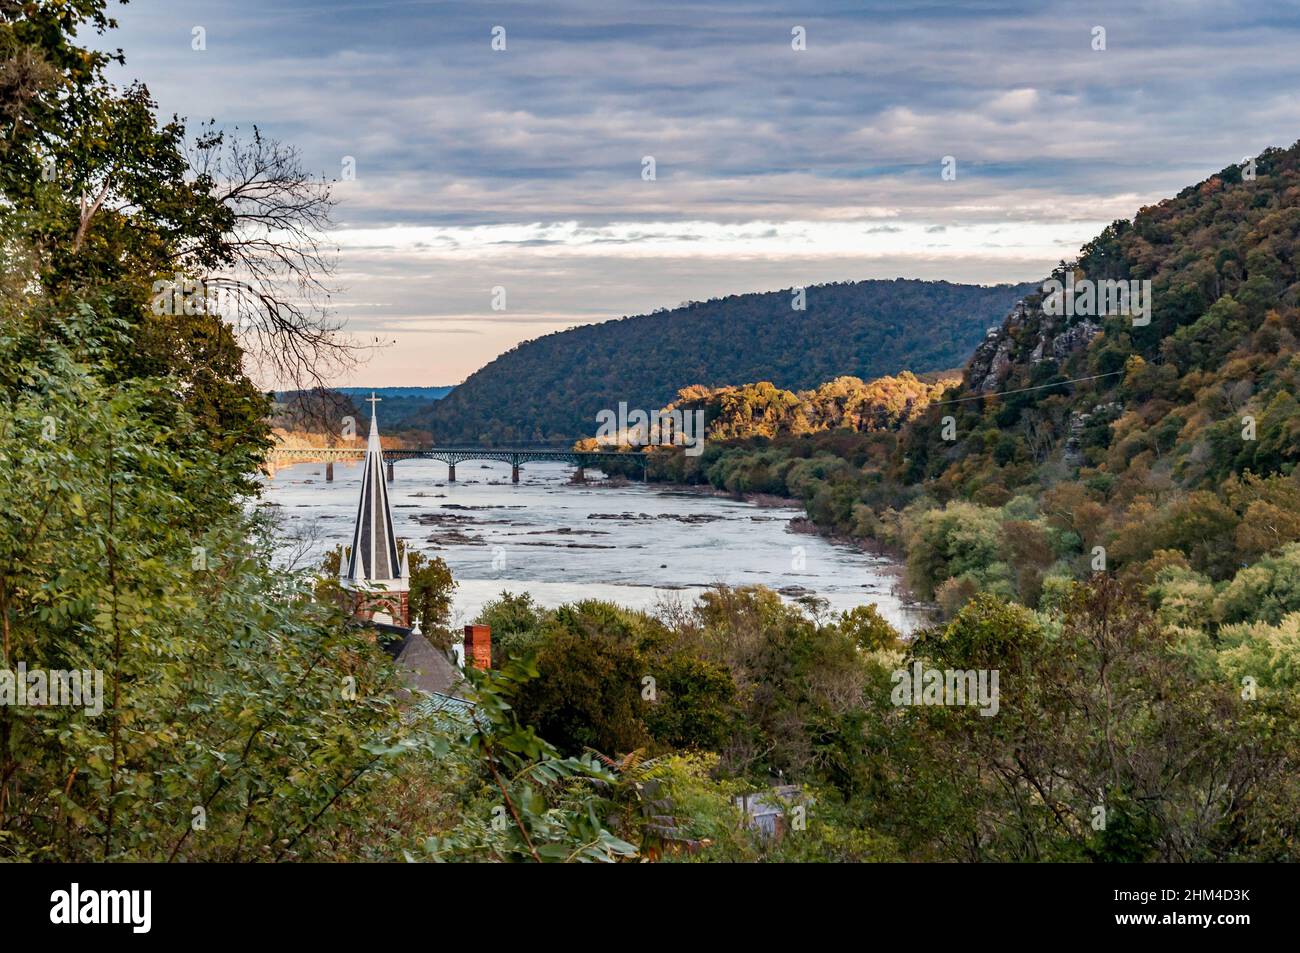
pixel 452 456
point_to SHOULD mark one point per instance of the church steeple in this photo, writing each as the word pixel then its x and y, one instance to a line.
pixel 373 563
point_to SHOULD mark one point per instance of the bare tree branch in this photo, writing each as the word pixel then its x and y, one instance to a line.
pixel 277 269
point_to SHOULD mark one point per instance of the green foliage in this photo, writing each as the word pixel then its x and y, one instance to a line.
pixel 123 209
pixel 516 622
pixel 547 806
pixel 614 680
pixel 1266 654
pixel 237 713
pixel 693 704
pixel 1183 598
pixel 1199 525
pixel 962 538
pixel 589 692
pixel 1111 743
pixel 870 631
pixel 431 591
pixel 988 633
pixel 1265 592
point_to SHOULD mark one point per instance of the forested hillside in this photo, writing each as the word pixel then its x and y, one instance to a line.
pixel 1161 446
pixel 1173 399
pixel 1172 454
pixel 764 411
pixel 550 389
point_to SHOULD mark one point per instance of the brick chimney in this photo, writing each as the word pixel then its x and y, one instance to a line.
pixel 478 646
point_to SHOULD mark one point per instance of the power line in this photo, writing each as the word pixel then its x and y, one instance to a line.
pixel 1022 390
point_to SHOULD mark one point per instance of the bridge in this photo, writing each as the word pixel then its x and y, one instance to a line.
pixel 581 459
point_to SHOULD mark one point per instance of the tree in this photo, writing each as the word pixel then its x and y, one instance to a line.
pixel 101 194
pixel 588 692
pixel 1270 513
pixel 1099 749
pixel 515 620
pixel 270 258
pixel 961 538
pixel 869 629
pixel 430 596
pixel 543 807
pixel 235 714
pixel 1267 591
pixel 693 703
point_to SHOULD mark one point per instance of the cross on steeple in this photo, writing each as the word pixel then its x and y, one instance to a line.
pixel 372 400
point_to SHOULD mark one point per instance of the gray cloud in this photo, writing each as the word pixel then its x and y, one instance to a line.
pixel 747 134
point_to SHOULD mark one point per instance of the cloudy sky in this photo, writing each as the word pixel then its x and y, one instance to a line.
pixel 523 169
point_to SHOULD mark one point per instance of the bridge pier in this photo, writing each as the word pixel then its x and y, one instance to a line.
pixel 514 473
pixel 580 475
pixel 329 471
pixel 390 471
pixel 451 473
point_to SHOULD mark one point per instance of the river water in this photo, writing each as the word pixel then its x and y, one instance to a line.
pixel 633 544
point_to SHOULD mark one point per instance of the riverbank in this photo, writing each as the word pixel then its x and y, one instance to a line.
pixel 894 568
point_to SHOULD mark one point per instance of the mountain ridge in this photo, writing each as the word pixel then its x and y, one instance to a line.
pixel 854 329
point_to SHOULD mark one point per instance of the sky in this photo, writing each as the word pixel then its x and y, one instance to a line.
pixel 524 168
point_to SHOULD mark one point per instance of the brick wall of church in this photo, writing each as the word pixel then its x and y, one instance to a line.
pixel 396 604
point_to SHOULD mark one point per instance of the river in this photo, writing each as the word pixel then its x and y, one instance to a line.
pixel 633 544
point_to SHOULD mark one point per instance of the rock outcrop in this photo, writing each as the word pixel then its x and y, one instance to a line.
pixel 1026 334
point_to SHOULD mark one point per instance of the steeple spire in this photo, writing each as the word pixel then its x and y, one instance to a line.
pixel 374 563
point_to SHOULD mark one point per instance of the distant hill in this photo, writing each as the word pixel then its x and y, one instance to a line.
pixel 401 408
pixel 551 388
pixel 419 393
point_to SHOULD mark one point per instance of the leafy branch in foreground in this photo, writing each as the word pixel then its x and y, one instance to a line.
pixel 549 808
pixel 236 714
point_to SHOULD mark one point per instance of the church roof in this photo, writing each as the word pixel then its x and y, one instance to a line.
pixel 373 556
pixel 429 673
pixel 429 669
